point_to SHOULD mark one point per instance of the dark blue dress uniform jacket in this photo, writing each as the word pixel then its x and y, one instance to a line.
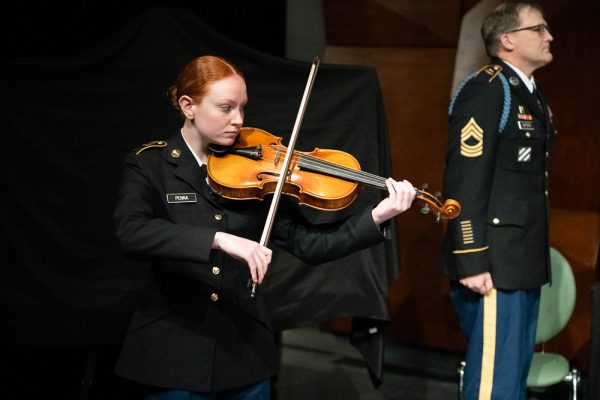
pixel 497 161
pixel 196 327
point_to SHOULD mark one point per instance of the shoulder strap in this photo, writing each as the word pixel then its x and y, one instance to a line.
pixel 494 71
pixel 154 144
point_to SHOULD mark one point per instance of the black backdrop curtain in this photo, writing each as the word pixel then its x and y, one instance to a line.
pixel 66 125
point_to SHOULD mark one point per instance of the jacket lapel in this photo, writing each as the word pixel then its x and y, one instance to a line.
pixel 520 90
pixel 186 167
pixel 546 117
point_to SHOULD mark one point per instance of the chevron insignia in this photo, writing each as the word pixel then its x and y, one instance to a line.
pixel 471 139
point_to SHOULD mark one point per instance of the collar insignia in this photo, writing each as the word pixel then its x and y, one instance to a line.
pixel 175 153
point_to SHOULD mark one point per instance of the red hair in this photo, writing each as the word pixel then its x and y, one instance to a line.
pixel 197 75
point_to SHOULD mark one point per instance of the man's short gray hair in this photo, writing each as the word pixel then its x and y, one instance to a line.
pixel 504 18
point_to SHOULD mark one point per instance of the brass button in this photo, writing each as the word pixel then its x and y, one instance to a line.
pixel 496 221
pixel 216 270
pixel 214 297
pixel 546 173
pixel 175 153
pixel 218 217
pixel 527 134
pixel 547 154
pixel 546 193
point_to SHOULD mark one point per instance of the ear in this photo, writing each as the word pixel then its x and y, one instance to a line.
pixel 186 104
pixel 507 42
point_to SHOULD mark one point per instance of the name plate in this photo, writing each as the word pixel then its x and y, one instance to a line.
pixel 181 197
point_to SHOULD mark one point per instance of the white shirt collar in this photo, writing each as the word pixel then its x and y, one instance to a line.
pixel 529 82
pixel 200 163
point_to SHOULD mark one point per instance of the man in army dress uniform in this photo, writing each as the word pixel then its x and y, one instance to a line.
pixel 496 253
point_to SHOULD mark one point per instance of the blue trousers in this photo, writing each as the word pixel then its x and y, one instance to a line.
pixel 258 391
pixel 500 330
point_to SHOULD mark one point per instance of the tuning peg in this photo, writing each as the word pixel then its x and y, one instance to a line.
pixel 425 209
pixel 438 195
pixel 424 186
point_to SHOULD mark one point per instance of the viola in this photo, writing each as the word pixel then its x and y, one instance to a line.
pixel 324 179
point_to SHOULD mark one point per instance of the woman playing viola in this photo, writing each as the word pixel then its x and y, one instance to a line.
pixel 196 331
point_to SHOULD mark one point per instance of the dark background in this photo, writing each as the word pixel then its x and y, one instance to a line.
pixel 47 29
pixel 83 83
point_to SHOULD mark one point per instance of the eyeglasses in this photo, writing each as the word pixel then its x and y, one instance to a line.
pixel 539 29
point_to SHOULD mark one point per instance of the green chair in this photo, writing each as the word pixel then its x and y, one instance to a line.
pixel 556 306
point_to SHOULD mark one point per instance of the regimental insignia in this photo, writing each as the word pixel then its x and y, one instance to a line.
pixel 514 80
pixel 467 232
pixel 492 70
pixel 471 140
pixel 524 154
pixel 150 145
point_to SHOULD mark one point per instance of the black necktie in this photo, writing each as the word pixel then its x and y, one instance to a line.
pixel 203 173
pixel 536 95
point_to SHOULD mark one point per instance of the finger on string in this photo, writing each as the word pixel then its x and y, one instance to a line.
pixel 409 187
pixel 392 191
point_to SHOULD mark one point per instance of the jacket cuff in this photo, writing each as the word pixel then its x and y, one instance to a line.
pixel 472 262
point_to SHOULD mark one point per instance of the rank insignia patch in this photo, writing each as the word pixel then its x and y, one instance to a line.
pixel 524 154
pixel 471 139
